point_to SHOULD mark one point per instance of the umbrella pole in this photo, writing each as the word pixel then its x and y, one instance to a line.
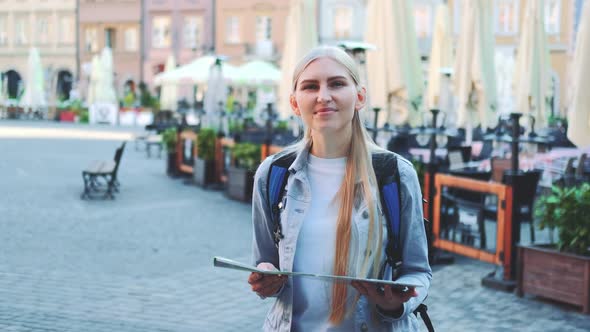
pixel 375 120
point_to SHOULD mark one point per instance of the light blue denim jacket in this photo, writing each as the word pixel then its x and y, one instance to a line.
pixel 415 268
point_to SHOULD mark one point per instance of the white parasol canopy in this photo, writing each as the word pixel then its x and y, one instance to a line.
pixel 257 72
pixel 474 70
pixel 34 95
pixel 169 92
pixel 300 37
pixel 196 72
pixel 532 77
pixel 579 106
pixel 394 69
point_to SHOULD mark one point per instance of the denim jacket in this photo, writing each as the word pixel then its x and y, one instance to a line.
pixel 415 268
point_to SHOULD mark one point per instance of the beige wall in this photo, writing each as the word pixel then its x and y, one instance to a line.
pixel 246 11
pixel 119 15
pixel 58 50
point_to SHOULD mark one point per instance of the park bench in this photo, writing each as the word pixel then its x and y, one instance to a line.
pixel 101 176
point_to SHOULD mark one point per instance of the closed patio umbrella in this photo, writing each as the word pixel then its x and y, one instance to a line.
pixel 169 92
pixel 474 70
pixel 105 92
pixel 579 106
pixel 532 75
pixel 300 36
pixel 393 69
pixel 215 97
pixel 94 80
pixel 441 56
pixel 34 95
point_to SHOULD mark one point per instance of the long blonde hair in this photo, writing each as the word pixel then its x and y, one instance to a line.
pixel 359 180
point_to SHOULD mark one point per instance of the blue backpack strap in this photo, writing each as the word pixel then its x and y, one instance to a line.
pixel 276 184
pixel 387 174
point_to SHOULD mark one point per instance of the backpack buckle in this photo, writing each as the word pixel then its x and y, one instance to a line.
pixel 278 235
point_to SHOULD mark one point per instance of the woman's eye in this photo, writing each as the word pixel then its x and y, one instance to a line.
pixel 309 87
pixel 338 84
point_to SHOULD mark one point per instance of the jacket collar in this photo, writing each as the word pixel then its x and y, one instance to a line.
pixel 301 160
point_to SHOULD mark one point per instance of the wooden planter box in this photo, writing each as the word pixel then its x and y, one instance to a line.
pixel 555 275
pixel 240 183
pixel 204 172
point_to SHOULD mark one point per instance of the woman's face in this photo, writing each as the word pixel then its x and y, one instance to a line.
pixel 326 97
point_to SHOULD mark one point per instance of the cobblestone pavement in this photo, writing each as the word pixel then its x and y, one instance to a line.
pixel 143 262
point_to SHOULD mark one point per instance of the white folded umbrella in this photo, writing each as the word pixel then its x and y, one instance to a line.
pixel 579 107
pixel 300 37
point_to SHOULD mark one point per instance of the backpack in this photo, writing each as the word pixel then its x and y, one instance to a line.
pixel 388 179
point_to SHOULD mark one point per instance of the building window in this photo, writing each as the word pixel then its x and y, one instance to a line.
pixel 342 22
pixel 232 33
pixel 21 32
pixel 423 20
pixel 161 32
pixel 131 39
pixel 506 17
pixel 193 29
pixel 263 28
pixel 3 30
pixel 42 29
pixel 552 16
pixel 67 29
pixel 110 38
pixel 91 39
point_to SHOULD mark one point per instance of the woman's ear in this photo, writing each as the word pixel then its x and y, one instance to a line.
pixel 361 99
pixel 294 105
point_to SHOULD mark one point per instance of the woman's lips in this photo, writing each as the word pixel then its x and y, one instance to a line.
pixel 323 111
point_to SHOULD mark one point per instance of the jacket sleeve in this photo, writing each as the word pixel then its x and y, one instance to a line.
pixel 263 246
pixel 415 266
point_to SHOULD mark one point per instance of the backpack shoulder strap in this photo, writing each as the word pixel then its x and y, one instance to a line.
pixel 388 179
pixel 275 189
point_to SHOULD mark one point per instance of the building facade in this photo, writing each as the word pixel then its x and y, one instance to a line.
pixel 115 24
pixel 183 28
pixel 341 20
pixel 560 22
pixel 250 29
pixel 48 25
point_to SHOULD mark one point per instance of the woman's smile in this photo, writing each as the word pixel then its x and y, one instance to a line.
pixel 325 111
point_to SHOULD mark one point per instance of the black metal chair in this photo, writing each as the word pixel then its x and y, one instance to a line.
pixel 455 200
pixel 523 197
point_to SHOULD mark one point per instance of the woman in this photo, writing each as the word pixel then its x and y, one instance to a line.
pixel 331 219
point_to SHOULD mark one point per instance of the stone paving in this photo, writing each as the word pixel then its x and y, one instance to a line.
pixel 143 262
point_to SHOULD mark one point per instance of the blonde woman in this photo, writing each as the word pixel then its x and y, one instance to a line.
pixel 331 218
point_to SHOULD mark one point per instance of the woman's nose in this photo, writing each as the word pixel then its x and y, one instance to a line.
pixel 324 95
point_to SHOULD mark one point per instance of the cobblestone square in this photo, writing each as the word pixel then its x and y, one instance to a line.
pixel 143 262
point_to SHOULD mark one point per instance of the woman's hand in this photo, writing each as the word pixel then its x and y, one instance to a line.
pixel 389 299
pixel 266 284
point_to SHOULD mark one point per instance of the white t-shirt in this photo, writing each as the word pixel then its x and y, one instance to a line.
pixel 316 247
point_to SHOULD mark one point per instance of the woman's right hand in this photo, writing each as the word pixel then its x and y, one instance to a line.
pixel 266 285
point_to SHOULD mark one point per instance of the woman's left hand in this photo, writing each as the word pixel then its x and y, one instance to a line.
pixel 389 299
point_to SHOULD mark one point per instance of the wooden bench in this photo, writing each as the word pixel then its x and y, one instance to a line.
pixel 101 176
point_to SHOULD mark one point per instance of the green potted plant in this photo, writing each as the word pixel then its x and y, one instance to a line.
pixel 169 139
pixel 240 175
pixel 560 271
pixel 204 169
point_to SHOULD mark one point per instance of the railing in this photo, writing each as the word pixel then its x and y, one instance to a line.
pixel 503 253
